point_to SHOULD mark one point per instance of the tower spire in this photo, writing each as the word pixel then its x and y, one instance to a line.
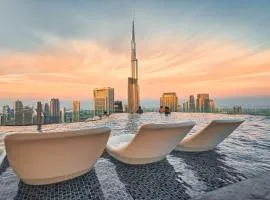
pixel 133 86
pixel 134 65
pixel 133 30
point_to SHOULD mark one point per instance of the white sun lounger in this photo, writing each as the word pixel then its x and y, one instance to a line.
pixel 44 158
pixel 208 138
pixel 151 144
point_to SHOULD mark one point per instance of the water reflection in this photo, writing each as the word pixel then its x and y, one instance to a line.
pixel 133 123
pixel 210 168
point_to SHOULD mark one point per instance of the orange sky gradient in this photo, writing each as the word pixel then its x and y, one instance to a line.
pixel 71 69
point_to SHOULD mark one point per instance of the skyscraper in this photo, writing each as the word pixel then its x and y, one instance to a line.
pixel 12 115
pixel 1 120
pixel 46 113
pixel 203 103
pixel 27 115
pixel 103 101
pixel 63 115
pixel 39 111
pixel 76 111
pixel 18 113
pixel 133 85
pixel 55 110
pixel 5 114
pixel 169 99
pixel 191 103
pixel 185 106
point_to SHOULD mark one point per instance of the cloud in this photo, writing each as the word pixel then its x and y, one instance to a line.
pixel 72 68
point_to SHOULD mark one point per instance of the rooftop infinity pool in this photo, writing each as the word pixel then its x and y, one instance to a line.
pixel 244 154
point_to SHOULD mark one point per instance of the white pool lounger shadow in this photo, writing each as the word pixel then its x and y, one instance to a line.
pixel 151 144
pixel 208 138
pixel 47 158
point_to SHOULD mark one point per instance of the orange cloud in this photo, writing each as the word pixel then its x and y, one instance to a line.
pixel 71 69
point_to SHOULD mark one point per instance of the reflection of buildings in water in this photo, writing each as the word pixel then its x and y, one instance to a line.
pixel 151 181
pixel 210 168
pixel 133 123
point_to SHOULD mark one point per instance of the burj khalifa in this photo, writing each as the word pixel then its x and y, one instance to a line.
pixel 133 86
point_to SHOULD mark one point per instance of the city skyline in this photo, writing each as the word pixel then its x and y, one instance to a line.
pixel 86 104
pixel 104 104
pixel 182 49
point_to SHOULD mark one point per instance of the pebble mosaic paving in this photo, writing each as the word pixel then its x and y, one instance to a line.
pixel 180 176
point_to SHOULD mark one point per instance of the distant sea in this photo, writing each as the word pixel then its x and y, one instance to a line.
pixel 87 104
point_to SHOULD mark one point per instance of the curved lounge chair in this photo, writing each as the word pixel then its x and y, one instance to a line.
pixel 208 138
pixel 151 144
pixel 54 157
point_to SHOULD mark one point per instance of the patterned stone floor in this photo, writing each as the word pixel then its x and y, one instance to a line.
pixel 257 188
pixel 180 176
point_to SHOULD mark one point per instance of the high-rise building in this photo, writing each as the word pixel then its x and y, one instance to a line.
pixel 212 105
pixel 203 103
pixel 1 120
pixel 185 106
pixel 46 113
pixel 103 101
pixel 18 113
pixel 63 115
pixel 55 111
pixel 5 115
pixel 179 108
pixel 169 99
pixel 118 107
pixel 191 103
pixel 76 111
pixel 133 85
pixel 39 113
pixel 27 115
pixel 12 115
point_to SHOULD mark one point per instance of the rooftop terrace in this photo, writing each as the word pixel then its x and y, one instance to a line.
pixel 180 176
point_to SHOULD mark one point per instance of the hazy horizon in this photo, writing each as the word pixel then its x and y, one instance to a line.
pixel 87 104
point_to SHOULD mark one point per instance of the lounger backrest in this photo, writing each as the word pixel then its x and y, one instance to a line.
pixel 213 134
pixel 54 154
pixel 157 139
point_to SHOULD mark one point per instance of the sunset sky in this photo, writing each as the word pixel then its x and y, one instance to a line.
pixel 65 49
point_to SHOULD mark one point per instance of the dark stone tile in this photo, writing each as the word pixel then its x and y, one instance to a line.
pixel 111 179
